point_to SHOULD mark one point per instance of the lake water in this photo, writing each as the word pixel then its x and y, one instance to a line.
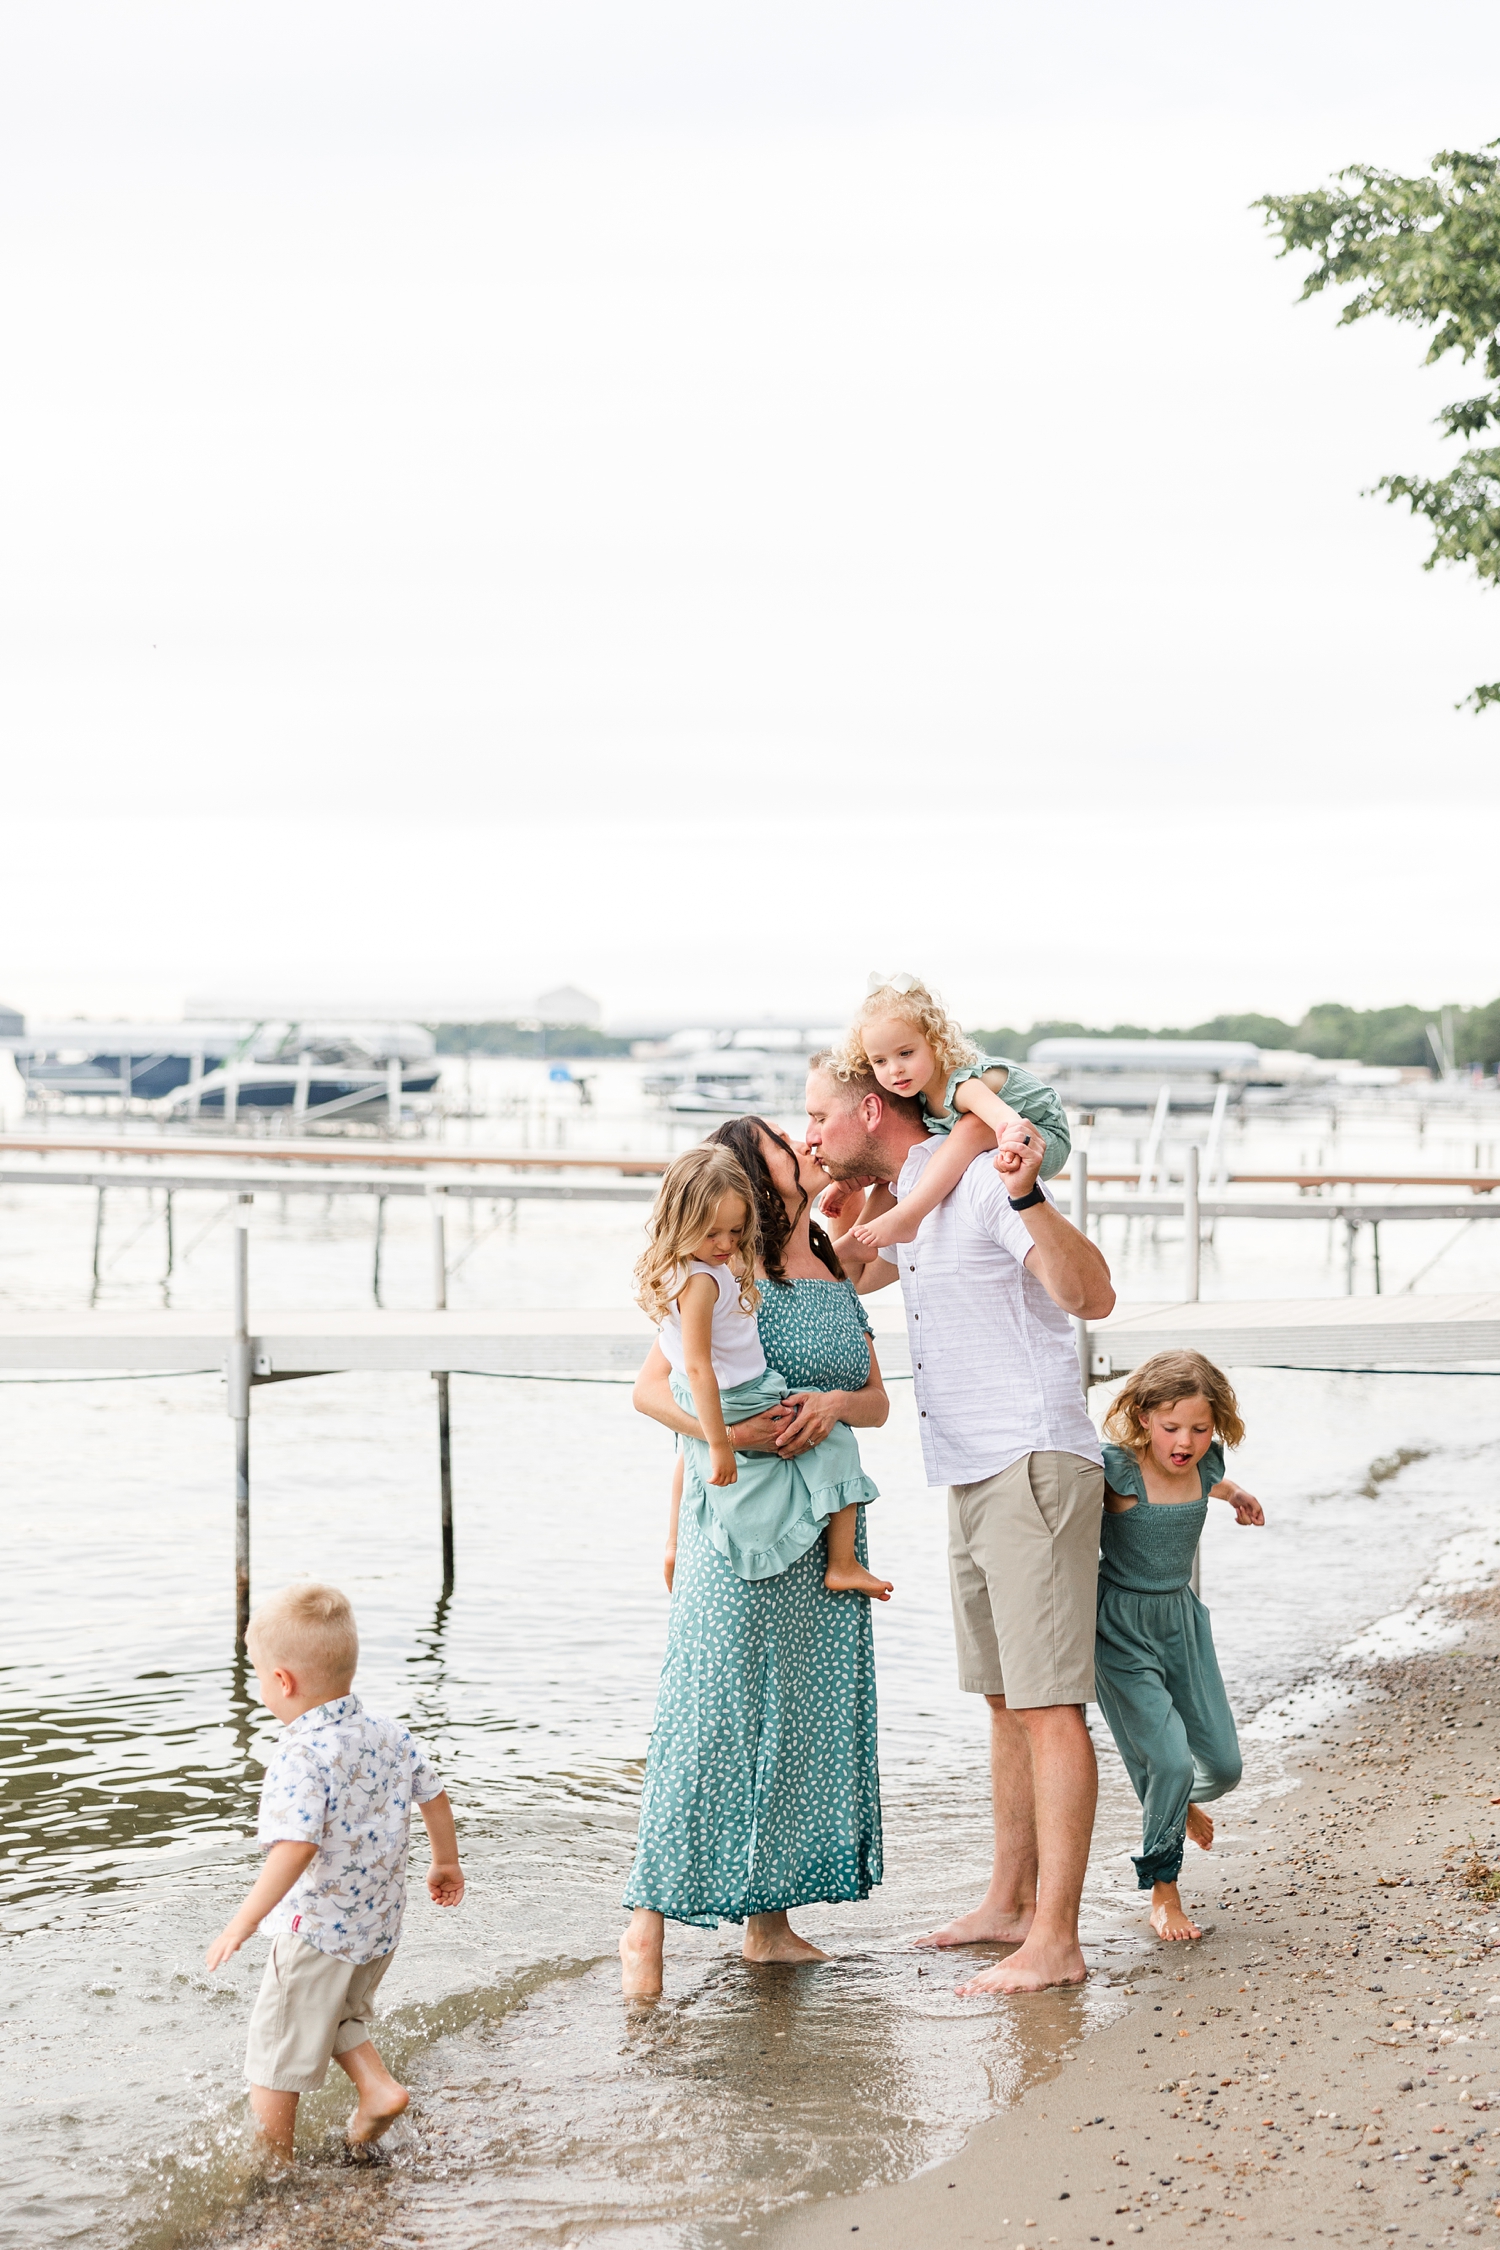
pixel 547 2112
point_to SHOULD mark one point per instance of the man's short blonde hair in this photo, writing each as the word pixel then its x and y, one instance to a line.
pixel 307 1628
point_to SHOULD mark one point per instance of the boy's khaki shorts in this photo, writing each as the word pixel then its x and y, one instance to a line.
pixel 310 2007
pixel 1023 1563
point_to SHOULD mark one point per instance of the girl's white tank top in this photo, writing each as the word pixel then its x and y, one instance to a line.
pixel 734 1339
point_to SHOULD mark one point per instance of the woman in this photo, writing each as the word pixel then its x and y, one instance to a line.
pixel 762 1788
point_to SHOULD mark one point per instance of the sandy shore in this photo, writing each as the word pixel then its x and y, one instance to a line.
pixel 1324 2062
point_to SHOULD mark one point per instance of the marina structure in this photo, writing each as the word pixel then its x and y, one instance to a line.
pixel 215 1069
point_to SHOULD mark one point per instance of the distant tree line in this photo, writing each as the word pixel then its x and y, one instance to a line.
pixel 1370 1035
pixel 565 1040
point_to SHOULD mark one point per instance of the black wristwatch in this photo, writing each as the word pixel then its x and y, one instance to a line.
pixel 1027 1202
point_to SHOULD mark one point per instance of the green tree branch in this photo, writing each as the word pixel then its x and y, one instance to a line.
pixel 1426 251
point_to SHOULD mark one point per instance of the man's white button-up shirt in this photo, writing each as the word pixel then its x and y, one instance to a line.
pixel 994 1365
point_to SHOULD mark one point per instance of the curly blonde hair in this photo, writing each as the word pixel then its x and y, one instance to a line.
pixel 1162 1381
pixel 908 1002
pixel 682 1215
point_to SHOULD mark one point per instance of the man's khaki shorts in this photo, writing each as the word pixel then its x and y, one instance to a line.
pixel 310 2007
pixel 1023 1562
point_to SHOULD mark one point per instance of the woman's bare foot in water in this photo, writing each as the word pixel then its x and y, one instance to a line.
pixel 381 2099
pixel 853 1578
pixel 1167 1916
pixel 1200 1829
pixel 771 1938
pixel 640 1955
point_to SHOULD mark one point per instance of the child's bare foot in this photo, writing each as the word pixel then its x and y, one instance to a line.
pixel 882 1233
pixel 1167 1916
pixel 853 1578
pixel 771 1938
pixel 381 2100
pixel 370 2120
pixel 640 1955
pixel 1200 1828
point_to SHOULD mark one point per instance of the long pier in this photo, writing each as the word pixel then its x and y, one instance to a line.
pixel 389 1157
pixel 1338 1333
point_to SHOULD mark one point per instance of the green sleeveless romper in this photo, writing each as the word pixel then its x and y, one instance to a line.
pixel 1155 1672
pixel 1029 1096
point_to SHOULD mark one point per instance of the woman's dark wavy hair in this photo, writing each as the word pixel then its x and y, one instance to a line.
pixel 742 1136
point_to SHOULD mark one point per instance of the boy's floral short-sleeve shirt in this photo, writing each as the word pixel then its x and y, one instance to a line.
pixel 346 1781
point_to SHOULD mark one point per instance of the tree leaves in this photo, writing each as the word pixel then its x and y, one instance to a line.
pixel 1426 251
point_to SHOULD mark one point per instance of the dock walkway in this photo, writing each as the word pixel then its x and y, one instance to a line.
pixel 1347 1333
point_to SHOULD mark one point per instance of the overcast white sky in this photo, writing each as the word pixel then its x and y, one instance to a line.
pixel 705 499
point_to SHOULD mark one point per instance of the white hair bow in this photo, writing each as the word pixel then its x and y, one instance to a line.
pixel 901 982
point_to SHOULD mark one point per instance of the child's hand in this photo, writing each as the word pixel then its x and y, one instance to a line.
pixel 445 1882
pixel 228 1943
pixel 1247 1509
pixel 721 1465
pixel 832 1201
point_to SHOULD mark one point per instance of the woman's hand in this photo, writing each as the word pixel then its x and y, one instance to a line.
pixel 669 1566
pixel 761 1433
pixel 815 1415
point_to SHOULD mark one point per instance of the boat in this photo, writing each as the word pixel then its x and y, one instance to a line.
pixel 732 1073
pixel 205 1068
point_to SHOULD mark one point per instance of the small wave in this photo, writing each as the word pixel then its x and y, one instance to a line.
pixel 218 2170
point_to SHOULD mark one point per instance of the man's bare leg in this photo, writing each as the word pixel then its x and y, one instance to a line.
pixel 1004 1914
pixel 770 1937
pixel 1066 1783
pixel 640 1955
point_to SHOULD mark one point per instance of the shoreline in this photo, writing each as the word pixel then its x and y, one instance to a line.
pixel 1341 2012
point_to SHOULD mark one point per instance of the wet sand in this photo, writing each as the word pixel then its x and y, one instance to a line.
pixel 1324 2062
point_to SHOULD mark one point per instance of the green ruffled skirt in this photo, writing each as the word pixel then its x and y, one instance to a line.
pixel 777 1509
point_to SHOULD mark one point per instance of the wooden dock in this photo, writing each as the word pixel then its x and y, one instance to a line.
pixel 1357 1334
pixel 1349 1333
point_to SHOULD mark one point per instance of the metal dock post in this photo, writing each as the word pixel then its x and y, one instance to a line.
pixel 1079 1214
pixel 237 1372
pixel 439 1203
pixel 1191 1224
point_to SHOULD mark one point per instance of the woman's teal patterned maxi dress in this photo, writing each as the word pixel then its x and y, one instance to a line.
pixel 762 1786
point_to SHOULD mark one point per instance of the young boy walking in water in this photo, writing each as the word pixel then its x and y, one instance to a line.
pixel 335 1821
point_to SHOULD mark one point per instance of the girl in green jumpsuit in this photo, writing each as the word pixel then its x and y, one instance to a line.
pixel 1156 1674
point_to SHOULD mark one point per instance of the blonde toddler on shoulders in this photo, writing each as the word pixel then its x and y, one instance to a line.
pixel 905 1038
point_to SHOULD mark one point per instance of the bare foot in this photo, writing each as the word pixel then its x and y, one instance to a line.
pixel 880 1234
pixel 770 1937
pixel 987 1925
pixel 853 1578
pixel 377 2112
pixel 1037 1967
pixel 1167 1917
pixel 640 1956
pixel 1200 1828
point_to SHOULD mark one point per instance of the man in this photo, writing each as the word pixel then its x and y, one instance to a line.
pixel 989 1284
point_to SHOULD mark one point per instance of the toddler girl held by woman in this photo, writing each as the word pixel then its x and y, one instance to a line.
pixel 1156 1674
pixel 907 1039
pixel 696 1279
